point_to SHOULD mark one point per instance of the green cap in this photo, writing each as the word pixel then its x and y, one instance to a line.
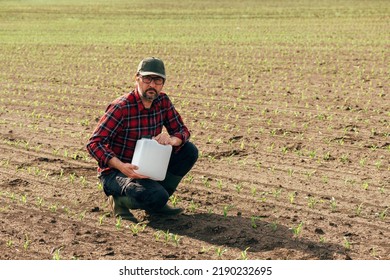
pixel 151 66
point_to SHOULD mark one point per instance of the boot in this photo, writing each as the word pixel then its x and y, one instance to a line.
pixel 171 182
pixel 166 210
pixel 120 207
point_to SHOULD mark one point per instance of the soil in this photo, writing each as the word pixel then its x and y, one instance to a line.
pixel 231 206
pixel 280 176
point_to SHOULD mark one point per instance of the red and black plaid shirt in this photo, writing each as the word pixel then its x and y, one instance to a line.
pixel 126 120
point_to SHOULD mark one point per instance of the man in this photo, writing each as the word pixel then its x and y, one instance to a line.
pixel 142 112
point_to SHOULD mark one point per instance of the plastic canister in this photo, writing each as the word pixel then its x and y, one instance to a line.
pixel 151 158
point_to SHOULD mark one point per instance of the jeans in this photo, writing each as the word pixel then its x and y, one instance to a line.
pixel 146 193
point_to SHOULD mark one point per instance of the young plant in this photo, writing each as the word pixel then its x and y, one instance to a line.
pixel 347 244
pixel 298 229
pixel 174 200
pixel 226 209
pixel 118 224
pixel 359 209
pixel 244 254
pixel 136 228
pixel 383 214
pixel 176 239
pixel 26 242
pixel 220 251
pixel 56 255
pixel 333 204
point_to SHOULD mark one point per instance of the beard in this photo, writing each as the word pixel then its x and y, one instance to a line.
pixel 150 94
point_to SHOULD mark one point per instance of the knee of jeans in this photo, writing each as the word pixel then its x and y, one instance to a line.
pixel 194 152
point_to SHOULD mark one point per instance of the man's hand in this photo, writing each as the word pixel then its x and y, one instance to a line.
pixel 126 168
pixel 166 139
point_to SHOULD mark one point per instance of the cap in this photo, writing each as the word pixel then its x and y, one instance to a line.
pixel 151 66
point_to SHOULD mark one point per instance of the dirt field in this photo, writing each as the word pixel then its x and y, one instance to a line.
pixel 294 147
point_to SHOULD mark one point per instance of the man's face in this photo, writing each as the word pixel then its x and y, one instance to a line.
pixel 149 86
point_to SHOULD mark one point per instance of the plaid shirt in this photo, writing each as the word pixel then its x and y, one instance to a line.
pixel 126 120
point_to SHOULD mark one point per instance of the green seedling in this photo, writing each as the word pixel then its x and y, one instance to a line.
pixel 291 197
pixel 56 255
pixel 220 251
pixel 383 214
pixel 137 228
pixel 82 215
pixel 244 254
pixel 219 184
pixel 347 244
pixel 118 224
pixel 226 209
pixel 102 217
pixel 274 226
pixel 192 208
pixel 253 221
pixel 359 209
pixel 238 187
pixel 176 239
pixel 53 208
pixel 312 201
pixel 298 229
pixel 333 204
pixel 174 200
pixel 26 242
pixel 9 243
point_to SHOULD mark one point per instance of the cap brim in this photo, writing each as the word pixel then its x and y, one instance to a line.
pixel 152 73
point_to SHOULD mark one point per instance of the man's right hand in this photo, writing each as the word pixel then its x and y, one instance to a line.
pixel 126 168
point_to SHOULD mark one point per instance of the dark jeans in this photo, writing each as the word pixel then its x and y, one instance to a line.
pixel 146 193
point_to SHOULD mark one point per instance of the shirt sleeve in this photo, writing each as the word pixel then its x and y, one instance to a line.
pixel 99 145
pixel 174 123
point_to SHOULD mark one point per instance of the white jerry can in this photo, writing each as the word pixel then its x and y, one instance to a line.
pixel 151 158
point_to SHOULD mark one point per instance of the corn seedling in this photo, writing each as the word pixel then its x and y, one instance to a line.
pixel 312 202
pixel 219 184
pixel 238 187
pixel 365 186
pixel 167 236
pixel 220 251
pixel 276 193
pixel 359 209
pixel 298 229
pixel 244 254
pixel 274 226
pixel 174 200
pixel 118 224
pixel 53 208
pixel 176 239
pixel 383 214
pixel 226 209
pixel 9 243
pixel 82 215
pixel 192 208
pixel 205 250
pixel 253 221
pixel 102 217
pixel 136 228
pixel 56 255
pixel 26 242
pixel 347 244
pixel 333 204
pixel 291 197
